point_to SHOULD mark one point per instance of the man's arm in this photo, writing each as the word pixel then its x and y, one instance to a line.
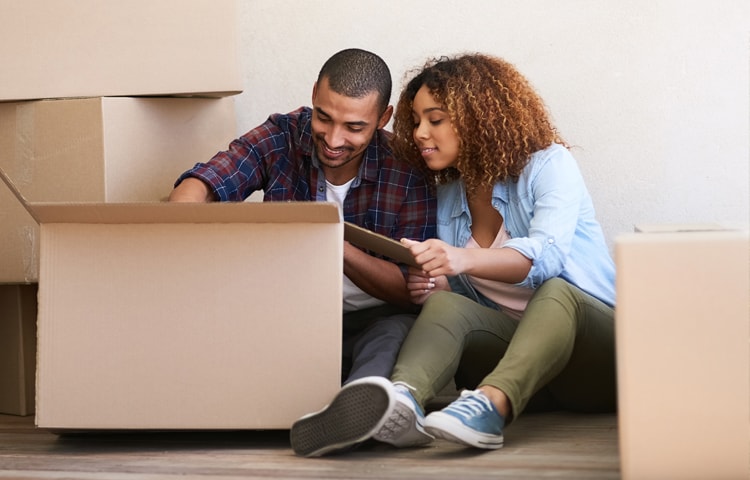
pixel 408 206
pixel 191 190
pixel 380 278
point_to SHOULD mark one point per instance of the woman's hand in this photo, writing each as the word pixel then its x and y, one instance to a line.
pixel 421 285
pixel 437 257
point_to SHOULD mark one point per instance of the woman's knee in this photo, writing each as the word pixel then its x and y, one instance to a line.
pixel 555 298
pixel 556 288
pixel 447 308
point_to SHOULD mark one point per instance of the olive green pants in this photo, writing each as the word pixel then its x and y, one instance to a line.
pixel 560 355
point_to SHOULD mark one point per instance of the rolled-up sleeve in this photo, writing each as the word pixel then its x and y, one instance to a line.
pixel 551 199
pixel 260 156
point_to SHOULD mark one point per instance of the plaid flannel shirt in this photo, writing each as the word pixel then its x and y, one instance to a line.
pixel 388 196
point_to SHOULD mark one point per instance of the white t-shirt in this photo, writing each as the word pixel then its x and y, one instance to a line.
pixel 354 298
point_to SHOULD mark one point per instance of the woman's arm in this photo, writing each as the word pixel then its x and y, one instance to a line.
pixel 439 258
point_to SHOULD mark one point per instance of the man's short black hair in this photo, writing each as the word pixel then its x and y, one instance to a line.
pixel 356 73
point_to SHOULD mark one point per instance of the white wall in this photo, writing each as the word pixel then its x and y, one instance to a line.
pixel 653 93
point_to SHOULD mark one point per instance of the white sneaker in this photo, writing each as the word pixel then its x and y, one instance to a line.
pixel 404 425
pixel 355 414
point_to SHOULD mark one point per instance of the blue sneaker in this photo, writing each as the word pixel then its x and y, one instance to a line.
pixel 355 414
pixel 471 420
pixel 404 425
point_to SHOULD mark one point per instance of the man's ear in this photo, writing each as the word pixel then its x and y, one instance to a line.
pixel 315 91
pixel 385 117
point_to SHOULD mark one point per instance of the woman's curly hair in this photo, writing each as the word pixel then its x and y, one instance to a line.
pixel 498 117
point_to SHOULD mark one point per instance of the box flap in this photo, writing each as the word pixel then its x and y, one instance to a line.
pixel 165 212
pixel 679 227
pixel 17 193
pixel 694 238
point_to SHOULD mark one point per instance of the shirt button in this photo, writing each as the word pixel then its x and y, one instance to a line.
pixel 320 189
pixel 550 241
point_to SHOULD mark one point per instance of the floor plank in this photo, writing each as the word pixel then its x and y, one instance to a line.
pixel 549 445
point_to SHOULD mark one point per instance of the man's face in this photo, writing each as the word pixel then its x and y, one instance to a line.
pixel 342 127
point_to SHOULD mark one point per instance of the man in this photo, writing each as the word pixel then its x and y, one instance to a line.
pixel 337 151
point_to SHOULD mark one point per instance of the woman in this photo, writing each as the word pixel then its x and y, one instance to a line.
pixel 517 291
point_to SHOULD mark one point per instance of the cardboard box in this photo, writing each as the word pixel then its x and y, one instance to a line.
pixel 187 316
pixel 18 309
pixel 683 355
pixel 110 149
pixel 97 48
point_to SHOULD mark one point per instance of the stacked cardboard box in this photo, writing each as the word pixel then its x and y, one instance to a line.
pixel 98 48
pixel 64 136
pixel 141 324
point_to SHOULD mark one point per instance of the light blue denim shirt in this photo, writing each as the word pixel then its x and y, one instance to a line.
pixel 550 217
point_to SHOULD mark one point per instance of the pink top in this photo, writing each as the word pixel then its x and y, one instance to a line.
pixel 512 298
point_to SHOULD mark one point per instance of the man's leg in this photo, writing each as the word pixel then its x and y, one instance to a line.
pixel 375 350
pixel 371 340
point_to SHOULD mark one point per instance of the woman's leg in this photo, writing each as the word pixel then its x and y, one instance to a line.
pixel 565 341
pixel 449 325
pixel 588 382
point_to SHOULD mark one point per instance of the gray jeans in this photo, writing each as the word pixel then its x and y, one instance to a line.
pixel 372 339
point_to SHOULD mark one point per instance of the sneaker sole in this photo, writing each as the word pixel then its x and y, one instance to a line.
pixel 355 414
pixel 450 428
pixel 403 428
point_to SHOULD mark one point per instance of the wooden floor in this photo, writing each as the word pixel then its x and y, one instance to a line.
pixel 546 445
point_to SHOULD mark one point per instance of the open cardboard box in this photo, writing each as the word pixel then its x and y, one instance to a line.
pixel 683 352
pixel 187 316
pixel 103 149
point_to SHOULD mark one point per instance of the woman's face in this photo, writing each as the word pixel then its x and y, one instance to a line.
pixel 433 131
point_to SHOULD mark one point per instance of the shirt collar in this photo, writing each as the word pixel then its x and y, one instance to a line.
pixel 461 203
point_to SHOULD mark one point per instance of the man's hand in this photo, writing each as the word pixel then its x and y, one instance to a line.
pixel 191 190
pixel 421 285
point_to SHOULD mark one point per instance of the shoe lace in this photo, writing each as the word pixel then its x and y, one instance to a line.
pixel 470 403
pixel 404 385
pixel 407 390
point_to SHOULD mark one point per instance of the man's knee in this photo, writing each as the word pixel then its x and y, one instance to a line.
pixel 395 325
